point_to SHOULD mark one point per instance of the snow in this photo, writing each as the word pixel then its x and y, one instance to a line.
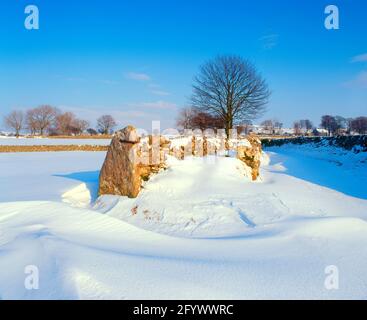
pixel 46 176
pixel 199 230
pixel 333 167
pixel 12 141
pixel 198 197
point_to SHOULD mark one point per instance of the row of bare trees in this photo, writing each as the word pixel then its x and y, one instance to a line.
pixel 272 126
pixel 340 125
pixel 46 119
pixel 192 118
pixel 303 126
pixel 334 125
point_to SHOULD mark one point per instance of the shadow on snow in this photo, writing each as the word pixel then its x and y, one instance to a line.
pixel 322 172
pixel 89 178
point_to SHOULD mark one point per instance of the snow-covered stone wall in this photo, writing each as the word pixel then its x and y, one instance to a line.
pixel 131 159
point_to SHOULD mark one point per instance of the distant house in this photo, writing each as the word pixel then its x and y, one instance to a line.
pixel 288 131
pixel 322 132
pixel 271 131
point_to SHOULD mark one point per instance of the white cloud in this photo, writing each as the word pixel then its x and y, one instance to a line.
pixel 154 86
pixel 360 81
pixel 109 81
pixel 160 92
pixel 157 105
pixel 138 76
pixel 92 113
pixel 269 41
pixel 77 79
pixel 140 114
pixel 360 58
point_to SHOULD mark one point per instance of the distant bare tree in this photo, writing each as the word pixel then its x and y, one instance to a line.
pixel 278 125
pixel 349 124
pixel 192 118
pixel 297 128
pixel 306 124
pixel 268 126
pixel 203 120
pixel 64 123
pixel 79 126
pixel 105 124
pixel 359 125
pixel 342 122
pixel 329 123
pixel 31 121
pixel 15 121
pixel 244 128
pixel 41 119
pixel 67 123
pixel 184 118
pixel 230 87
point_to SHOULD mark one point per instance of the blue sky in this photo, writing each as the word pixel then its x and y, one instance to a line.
pixel 136 59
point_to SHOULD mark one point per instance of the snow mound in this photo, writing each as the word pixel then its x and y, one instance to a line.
pixel 82 254
pixel 193 197
pixel 199 230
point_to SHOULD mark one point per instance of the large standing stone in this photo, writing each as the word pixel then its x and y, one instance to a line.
pixel 120 174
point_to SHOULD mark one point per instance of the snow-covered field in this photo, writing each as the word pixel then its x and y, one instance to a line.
pixel 12 141
pixel 199 230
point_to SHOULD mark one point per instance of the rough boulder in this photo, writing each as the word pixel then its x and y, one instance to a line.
pixel 120 173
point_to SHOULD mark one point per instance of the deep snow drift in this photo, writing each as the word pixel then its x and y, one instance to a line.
pixel 200 229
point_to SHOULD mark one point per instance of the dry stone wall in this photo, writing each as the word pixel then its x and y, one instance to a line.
pixel 130 159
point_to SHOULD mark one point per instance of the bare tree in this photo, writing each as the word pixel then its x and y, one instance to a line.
pixel 41 119
pixel 359 125
pixel 306 125
pixel 268 126
pixel 64 123
pixel 15 121
pixel 342 122
pixel 192 118
pixel 67 123
pixel 297 128
pixel 203 120
pixel 184 118
pixel 105 124
pixel 244 128
pixel 31 121
pixel 330 124
pixel 278 125
pixel 349 124
pixel 230 87
pixel 79 126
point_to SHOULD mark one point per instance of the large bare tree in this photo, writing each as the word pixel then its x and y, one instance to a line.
pixel 230 87
pixel 15 120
